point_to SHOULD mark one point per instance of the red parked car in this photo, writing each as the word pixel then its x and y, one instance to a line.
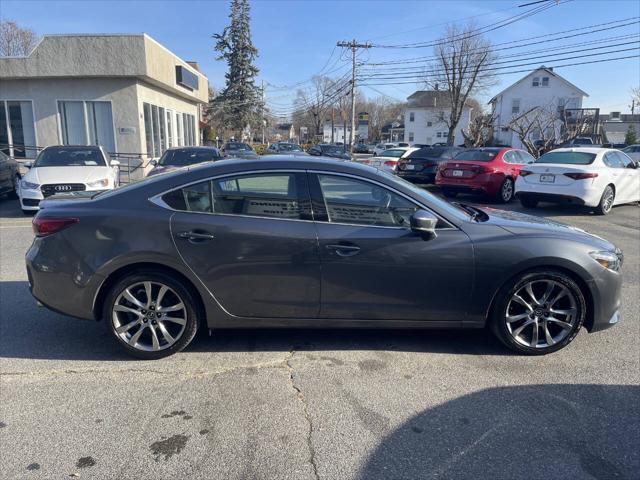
pixel 488 171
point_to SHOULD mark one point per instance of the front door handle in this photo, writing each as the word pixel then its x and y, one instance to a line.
pixel 344 250
pixel 195 236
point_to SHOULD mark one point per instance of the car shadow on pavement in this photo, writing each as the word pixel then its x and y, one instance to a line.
pixel 535 431
pixel 28 331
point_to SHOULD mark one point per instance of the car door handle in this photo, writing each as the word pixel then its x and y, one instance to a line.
pixel 196 235
pixel 344 250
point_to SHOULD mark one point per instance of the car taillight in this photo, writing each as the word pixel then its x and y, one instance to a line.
pixel 580 175
pixel 46 226
pixel 524 173
pixel 481 169
pixel 390 163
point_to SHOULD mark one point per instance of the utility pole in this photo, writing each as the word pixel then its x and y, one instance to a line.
pixel 262 109
pixel 354 46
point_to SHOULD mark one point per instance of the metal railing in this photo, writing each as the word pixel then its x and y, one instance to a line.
pixel 132 165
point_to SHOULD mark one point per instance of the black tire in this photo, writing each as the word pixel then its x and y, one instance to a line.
pixel 506 191
pixel 528 202
pixel 606 201
pixel 185 295
pixel 449 193
pixel 13 194
pixel 498 322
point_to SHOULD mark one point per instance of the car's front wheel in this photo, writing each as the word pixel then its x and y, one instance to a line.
pixel 151 314
pixel 538 312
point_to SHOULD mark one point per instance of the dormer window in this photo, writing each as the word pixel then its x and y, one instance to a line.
pixel 536 82
pixel 545 81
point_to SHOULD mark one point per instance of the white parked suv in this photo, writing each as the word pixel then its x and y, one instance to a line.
pixel 595 177
pixel 66 169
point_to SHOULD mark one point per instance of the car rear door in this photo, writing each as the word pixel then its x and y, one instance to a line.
pixel 374 267
pixel 251 241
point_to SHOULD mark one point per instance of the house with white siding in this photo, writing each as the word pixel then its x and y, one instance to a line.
pixel 423 118
pixel 541 88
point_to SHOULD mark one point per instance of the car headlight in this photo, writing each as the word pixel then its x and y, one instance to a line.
pixel 610 260
pixel 103 182
pixel 28 185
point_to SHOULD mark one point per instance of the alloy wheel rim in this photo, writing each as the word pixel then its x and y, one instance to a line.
pixel 507 190
pixel 541 313
pixel 149 316
pixel 608 200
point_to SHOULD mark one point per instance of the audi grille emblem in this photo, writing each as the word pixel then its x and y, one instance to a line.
pixel 62 188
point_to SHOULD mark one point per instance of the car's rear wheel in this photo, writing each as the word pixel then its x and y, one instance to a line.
pixel 505 194
pixel 606 201
pixel 150 314
pixel 538 312
pixel 449 193
pixel 528 202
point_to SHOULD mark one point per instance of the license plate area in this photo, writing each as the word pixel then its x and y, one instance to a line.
pixel 457 173
pixel 547 178
pixel 409 167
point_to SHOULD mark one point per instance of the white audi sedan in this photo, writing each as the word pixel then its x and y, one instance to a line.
pixel 594 177
pixel 66 169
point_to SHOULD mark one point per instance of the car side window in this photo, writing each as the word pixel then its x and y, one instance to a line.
pixel 611 160
pixel 260 195
pixel 510 157
pixel 525 157
pixel 626 161
pixel 359 202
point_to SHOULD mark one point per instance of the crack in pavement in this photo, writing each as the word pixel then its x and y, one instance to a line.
pixel 303 401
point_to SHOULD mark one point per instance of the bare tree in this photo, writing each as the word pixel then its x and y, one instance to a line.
pixel 382 110
pixel 314 102
pixel 15 40
pixel 536 128
pixel 635 99
pixel 480 130
pixel 461 56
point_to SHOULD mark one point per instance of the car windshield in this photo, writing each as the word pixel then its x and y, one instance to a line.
pixel 237 146
pixel 289 147
pixel 582 141
pixel 334 150
pixel 394 152
pixel 569 158
pixel 187 156
pixel 70 157
pixel 428 152
pixel 477 155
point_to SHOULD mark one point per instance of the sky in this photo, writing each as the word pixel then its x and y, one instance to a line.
pixel 296 39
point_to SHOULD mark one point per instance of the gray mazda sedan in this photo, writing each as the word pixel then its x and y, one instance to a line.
pixel 283 242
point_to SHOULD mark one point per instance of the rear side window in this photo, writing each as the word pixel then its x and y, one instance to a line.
pixel 568 158
pixel 261 195
pixel 358 202
pixel 477 155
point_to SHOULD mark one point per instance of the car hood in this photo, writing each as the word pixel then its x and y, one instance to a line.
pixel 523 224
pixel 47 175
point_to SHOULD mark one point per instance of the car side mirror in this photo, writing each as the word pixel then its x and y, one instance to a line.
pixel 153 162
pixel 424 223
pixel 114 163
pixel 28 164
pixel 633 165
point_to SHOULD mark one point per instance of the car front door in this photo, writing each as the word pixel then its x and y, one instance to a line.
pixel 374 267
pixel 251 241
pixel 629 180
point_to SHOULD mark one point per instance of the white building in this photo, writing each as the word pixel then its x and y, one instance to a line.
pixel 127 93
pixel 541 88
pixel 423 118
pixel 341 132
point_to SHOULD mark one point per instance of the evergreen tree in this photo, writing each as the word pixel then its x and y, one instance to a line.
pixel 238 104
pixel 630 137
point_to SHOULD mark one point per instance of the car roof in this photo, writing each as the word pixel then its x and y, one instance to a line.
pixel 194 147
pixel 595 150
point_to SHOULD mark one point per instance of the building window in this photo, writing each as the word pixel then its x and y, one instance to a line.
pixel 179 129
pixel 515 106
pixel 17 129
pixel 429 124
pixel 545 81
pixel 164 129
pixel 412 116
pixel 536 82
pixel 87 123
pixel 439 134
pixel 411 136
pixel 169 128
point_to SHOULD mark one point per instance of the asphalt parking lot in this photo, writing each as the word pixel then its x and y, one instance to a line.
pixel 322 404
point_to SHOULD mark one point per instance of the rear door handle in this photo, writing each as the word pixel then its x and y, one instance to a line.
pixel 196 235
pixel 344 250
